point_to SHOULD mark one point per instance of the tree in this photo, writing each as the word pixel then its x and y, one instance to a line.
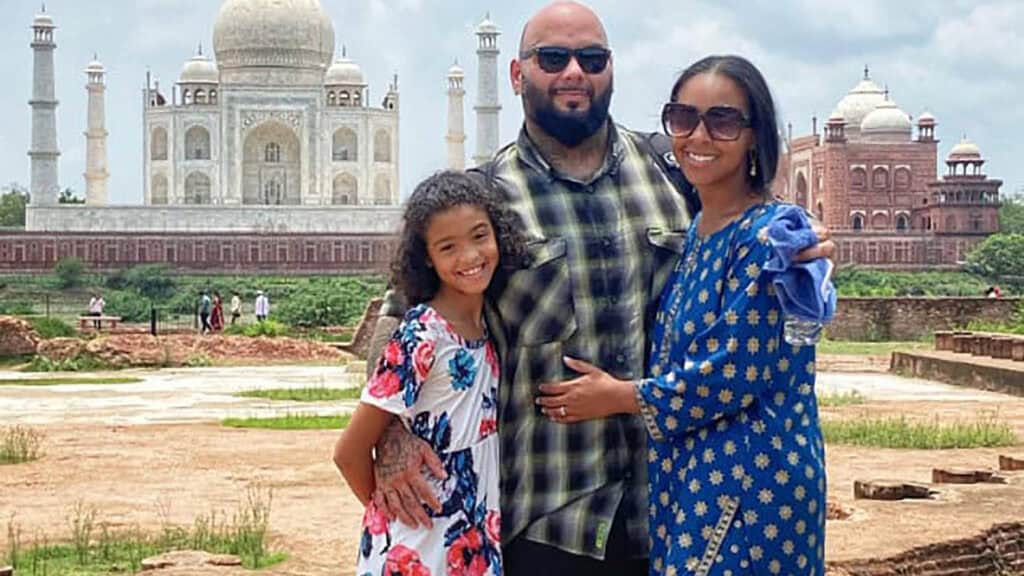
pixel 13 199
pixel 67 196
pixel 69 272
pixel 1000 258
pixel 1011 215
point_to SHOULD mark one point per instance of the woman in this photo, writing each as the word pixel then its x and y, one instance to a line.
pixel 217 316
pixel 736 461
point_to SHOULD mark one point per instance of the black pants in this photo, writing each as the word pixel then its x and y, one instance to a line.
pixel 525 558
pixel 205 319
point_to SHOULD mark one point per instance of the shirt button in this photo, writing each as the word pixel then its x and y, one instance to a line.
pixel 620 358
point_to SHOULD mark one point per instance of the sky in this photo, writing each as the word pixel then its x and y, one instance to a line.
pixel 959 59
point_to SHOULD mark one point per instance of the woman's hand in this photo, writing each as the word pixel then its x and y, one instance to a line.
pixel 594 394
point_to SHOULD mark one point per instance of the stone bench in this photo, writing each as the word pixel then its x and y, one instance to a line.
pixel 97 321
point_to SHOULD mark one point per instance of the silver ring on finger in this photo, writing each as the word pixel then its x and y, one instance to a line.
pixel 561 411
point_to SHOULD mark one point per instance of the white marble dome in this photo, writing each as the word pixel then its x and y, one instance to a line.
pixel 273 34
pixel 456 71
pixel 346 72
pixel 887 120
pixel 199 70
pixel 860 101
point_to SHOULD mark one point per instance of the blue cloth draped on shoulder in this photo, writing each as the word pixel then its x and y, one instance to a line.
pixel 804 288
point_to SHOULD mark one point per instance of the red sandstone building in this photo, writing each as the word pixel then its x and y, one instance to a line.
pixel 873 183
pixel 204 253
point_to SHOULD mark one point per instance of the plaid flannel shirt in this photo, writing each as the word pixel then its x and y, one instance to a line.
pixel 600 252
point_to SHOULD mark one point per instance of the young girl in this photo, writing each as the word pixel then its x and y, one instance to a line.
pixel 439 375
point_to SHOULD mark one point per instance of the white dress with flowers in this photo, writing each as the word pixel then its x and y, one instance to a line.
pixel 445 390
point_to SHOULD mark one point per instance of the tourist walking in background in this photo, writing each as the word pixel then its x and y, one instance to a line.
pixel 217 315
pixel 439 375
pixel 205 308
pixel 236 308
pixel 262 306
pixel 96 304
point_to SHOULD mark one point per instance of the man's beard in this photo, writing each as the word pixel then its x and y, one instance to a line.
pixel 568 127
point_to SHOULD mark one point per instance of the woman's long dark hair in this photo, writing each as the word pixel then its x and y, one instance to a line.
pixel 410 273
pixel 763 119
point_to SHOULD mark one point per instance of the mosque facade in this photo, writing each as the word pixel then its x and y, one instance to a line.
pixel 873 182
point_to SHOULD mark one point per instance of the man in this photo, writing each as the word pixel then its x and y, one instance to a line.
pixel 607 223
pixel 96 305
pixel 236 308
pixel 205 307
pixel 262 307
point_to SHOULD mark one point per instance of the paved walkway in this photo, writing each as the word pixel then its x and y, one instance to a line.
pixel 171 395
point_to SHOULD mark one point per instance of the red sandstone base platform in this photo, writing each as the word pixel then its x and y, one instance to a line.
pixel 996 375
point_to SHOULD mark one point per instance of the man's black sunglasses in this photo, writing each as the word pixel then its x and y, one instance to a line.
pixel 721 122
pixel 554 59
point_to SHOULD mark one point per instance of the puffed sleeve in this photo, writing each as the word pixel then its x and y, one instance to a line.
pixel 730 362
pixel 403 366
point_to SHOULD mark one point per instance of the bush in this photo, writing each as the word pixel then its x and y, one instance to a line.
pixel 269 328
pixel 49 327
pixel 999 256
pixel 16 308
pixel 69 272
pixel 129 305
pixel 855 282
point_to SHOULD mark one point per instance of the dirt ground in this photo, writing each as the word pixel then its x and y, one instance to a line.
pixel 129 474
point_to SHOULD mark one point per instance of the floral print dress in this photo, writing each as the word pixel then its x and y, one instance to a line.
pixel 444 388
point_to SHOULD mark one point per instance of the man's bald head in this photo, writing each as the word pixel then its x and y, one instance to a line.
pixel 564 16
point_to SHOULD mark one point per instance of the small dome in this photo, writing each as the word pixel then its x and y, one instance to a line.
pixel 836 117
pixel 487 27
pixel 926 118
pixel 95 67
pixel 199 70
pixel 456 71
pixel 43 20
pixel 965 150
pixel 887 118
pixel 344 71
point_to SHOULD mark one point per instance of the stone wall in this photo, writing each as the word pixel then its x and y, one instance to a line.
pixel 913 318
pixel 1000 550
pixel 209 253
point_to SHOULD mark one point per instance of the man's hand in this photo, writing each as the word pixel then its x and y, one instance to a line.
pixel 401 487
pixel 825 248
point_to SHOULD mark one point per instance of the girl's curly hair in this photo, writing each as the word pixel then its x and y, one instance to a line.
pixel 410 274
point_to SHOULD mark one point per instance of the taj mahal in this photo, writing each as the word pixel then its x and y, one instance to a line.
pixel 272 133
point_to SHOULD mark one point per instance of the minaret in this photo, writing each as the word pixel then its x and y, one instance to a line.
pixel 487 107
pixel 456 137
pixel 96 174
pixel 44 150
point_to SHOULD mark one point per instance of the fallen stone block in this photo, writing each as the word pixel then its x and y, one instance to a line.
pixel 952 476
pixel 890 490
pixel 1010 463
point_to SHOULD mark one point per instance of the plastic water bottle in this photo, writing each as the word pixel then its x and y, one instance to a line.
pixel 799 331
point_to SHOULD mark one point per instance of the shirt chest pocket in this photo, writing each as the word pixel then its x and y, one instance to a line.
pixel 536 304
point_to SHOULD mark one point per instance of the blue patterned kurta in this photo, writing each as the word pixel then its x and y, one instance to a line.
pixel 736 465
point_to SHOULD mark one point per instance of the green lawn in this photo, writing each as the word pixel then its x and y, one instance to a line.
pixel 316 394
pixel 61 381
pixel 291 422
pixel 898 432
pixel 868 348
